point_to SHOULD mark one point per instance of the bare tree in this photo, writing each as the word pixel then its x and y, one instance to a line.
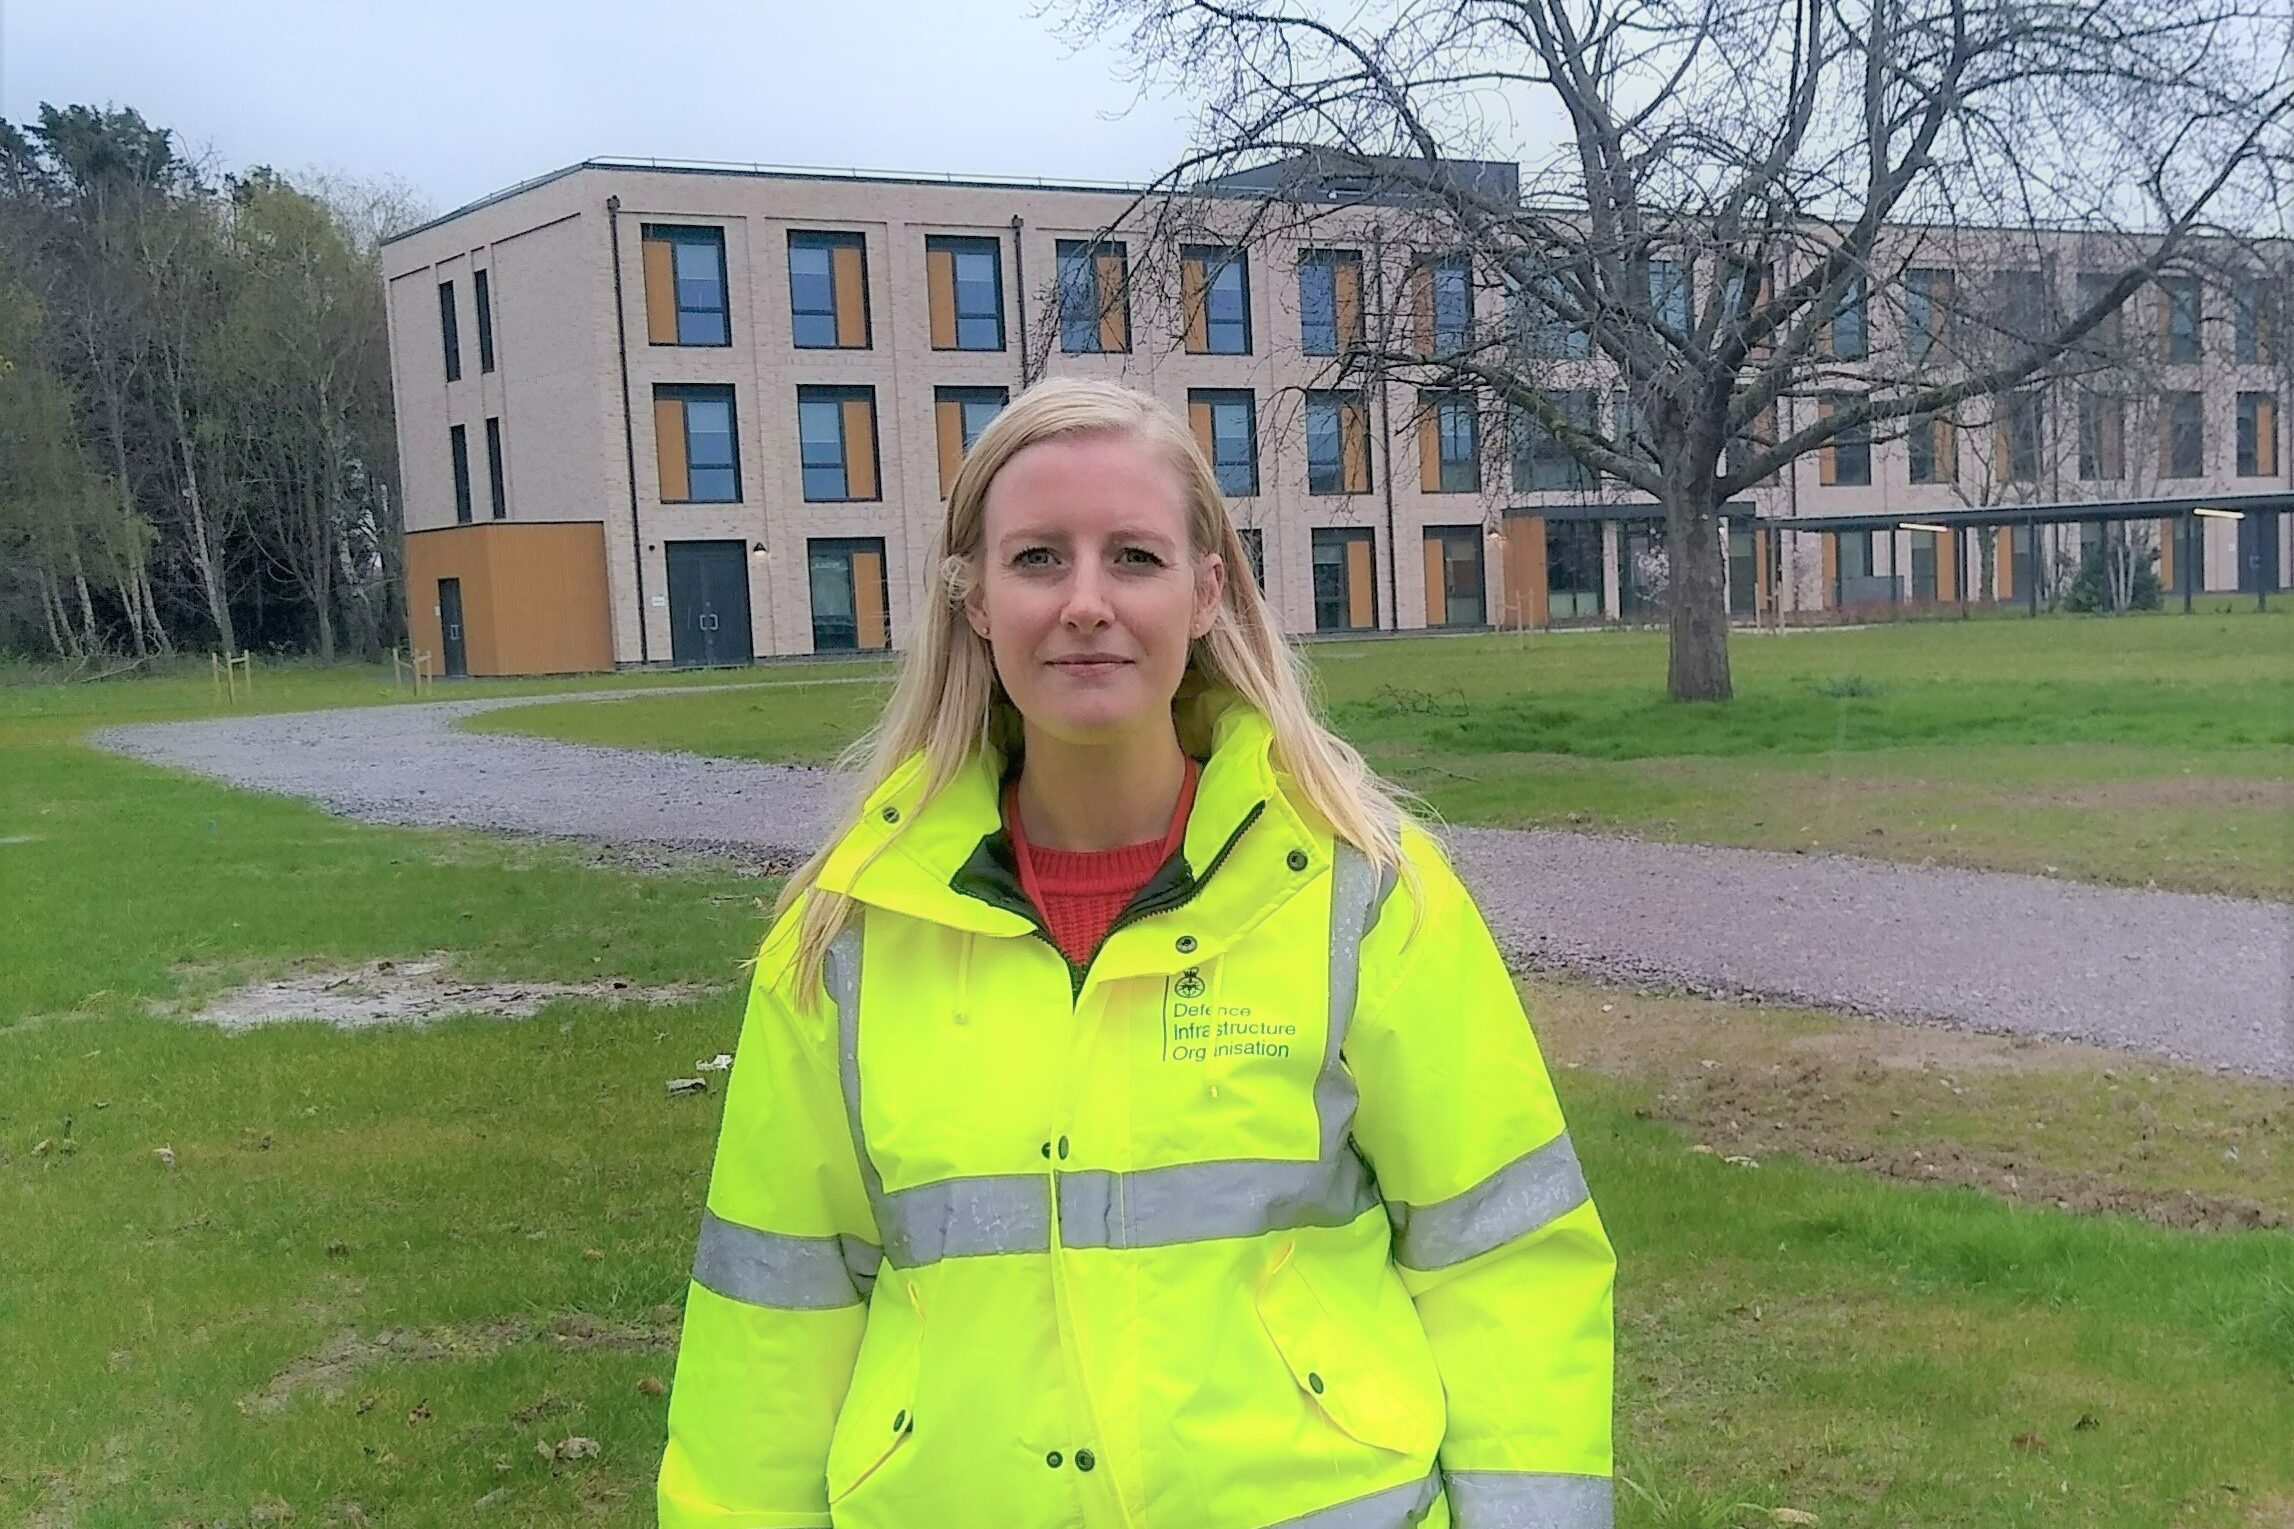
pixel 1735 188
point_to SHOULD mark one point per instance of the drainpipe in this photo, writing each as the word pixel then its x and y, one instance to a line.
pixel 1393 620
pixel 628 428
pixel 1020 303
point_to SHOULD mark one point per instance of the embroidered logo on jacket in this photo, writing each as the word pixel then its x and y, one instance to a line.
pixel 1196 1030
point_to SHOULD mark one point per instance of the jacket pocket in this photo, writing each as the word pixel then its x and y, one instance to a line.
pixel 1338 1365
pixel 878 1418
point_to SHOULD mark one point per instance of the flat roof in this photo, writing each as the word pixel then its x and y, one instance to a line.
pixel 780 172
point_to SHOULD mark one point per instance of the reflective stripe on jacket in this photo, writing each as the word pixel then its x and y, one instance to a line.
pixel 1266 1218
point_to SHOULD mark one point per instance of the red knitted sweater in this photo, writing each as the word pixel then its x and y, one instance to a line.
pixel 1080 892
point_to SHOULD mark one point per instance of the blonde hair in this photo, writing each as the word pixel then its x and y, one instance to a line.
pixel 947 703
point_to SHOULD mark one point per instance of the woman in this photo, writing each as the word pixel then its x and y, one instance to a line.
pixel 1134 1124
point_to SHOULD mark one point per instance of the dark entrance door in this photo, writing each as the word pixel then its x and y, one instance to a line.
pixel 708 604
pixel 2257 552
pixel 450 628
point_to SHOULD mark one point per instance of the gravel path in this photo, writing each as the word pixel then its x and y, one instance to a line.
pixel 2203 979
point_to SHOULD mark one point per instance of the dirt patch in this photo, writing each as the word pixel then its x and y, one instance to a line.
pixel 2175 791
pixel 330 1371
pixel 406 993
pixel 2076 1127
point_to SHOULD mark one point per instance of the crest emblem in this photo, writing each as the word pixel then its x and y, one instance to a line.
pixel 1189 985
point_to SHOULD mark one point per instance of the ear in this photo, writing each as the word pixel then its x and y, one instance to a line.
pixel 975 612
pixel 1210 585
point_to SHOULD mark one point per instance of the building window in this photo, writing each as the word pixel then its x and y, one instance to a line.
pixel 2102 437
pixel 1329 301
pixel 1254 548
pixel 450 331
pixel 1931 445
pixel 1215 294
pixel 1345 581
pixel 958 417
pixel 1853 562
pixel 1927 310
pixel 2254 323
pixel 685 286
pixel 1545 335
pixel 1442 299
pixel 458 443
pixel 1846 459
pixel 2018 436
pixel 2023 306
pixel 1225 423
pixel 694 449
pixel 1337 444
pixel 496 487
pixel 1541 463
pixel 836 444
pixel 2104 338
pixel 2258 435
pixel 964 289
pixel 1847 337
pixel 828 291
pixel 1757 436
pixel 850 594
pixel 1454 581
pixel 1669 294
pixel 1449 444
pixel 1628 431
pixel 1094 297
pixel 483 290
pixel 2182 435
pixel 2179 314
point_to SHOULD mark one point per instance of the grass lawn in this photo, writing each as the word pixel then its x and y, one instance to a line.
pixel 387 1271
pixel 2136 750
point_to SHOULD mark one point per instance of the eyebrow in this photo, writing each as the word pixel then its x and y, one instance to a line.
pixel 1120 534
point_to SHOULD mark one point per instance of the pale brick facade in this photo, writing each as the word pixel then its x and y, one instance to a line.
pixel 568 442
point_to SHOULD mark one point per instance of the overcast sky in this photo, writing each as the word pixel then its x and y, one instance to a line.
pixel 459 99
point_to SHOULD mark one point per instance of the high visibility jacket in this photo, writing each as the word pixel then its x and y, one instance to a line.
pixel 1266 1217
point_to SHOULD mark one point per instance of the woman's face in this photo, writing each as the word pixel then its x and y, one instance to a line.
pixel 1088 594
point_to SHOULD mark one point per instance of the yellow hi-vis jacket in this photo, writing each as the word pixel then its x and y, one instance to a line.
pixel 1267 1217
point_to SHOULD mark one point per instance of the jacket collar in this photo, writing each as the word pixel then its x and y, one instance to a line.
pixel 947 859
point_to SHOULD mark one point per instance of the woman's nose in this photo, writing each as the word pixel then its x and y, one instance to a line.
pixel 1086 603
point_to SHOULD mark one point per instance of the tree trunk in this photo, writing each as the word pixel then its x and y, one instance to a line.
pixel 204 553
pixel 318 575
pixel 52 611
pixel 1698 604
pixel 89 637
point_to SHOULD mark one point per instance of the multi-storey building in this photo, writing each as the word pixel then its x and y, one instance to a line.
pixel 656 414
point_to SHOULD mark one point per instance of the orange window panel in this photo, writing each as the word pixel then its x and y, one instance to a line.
pixel 859 449
pixel 940 296
pixel 1199 420
pixel 1192 300
pixel 1361 609
pixel 948 429
pixel 1346 285
pixel 669 448
pixel 660 292
pixel 1437 595
pixel 1430 451
pixel 1354 447
pixel 1114 309
pixel 1947 565
pixel 868 600
pixel 851 281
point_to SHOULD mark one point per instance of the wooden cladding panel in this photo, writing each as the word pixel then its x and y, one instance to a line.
pixel 859 449
pixel 1361 588
pixel 660 291
pixel 1114 316
pixel 851 281
pixel 868 600
pixel 669 449
pixel 940 296
pixel 1437 589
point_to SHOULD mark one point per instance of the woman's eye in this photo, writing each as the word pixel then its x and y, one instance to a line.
pixel 1143 556
pixel 1031 557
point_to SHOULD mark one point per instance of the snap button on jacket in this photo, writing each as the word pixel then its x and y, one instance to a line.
pixel 1267 1217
